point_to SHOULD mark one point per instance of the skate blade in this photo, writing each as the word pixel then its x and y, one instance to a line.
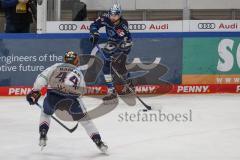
pixel 104 150
pixel 42 147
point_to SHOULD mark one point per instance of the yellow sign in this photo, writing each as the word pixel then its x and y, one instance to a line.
pixel 21 8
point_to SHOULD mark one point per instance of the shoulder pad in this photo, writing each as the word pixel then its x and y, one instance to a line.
pixel 124 21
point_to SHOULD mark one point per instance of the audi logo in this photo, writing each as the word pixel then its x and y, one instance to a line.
pixel 138 27
pixel 67 27
pixel 206 26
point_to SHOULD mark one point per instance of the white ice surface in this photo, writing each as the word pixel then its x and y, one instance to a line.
pixel 214 133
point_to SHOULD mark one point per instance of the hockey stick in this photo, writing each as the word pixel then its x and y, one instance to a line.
pixel 59 122
pixel 122 79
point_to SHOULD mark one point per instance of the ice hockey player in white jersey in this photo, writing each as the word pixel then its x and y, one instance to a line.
pixel 64 81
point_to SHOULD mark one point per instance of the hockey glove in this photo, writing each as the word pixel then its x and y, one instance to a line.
pixel 94 38
pixel 33 97
pixel 126 46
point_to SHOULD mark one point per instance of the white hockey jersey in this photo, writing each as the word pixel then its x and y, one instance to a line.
pixel 61 77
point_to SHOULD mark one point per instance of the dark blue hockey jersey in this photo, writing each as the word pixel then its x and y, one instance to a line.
pixel 116 33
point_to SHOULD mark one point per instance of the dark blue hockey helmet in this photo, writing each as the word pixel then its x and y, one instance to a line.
pixel 115 10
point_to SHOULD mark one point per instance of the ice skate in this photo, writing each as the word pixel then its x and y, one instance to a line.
pixel 43 139
pixel 110 98
pixel 101 146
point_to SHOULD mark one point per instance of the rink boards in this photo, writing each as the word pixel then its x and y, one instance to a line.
pixel 196 63
pixel 150 90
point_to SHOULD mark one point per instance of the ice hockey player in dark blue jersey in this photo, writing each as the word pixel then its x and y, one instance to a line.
pixel 119 44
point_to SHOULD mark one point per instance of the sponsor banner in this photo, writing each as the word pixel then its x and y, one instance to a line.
pixel 212 26
pixel 182 89
pixel 19 66
pixel 205 89
pixel 141 89
pixel 151 26
pixel 68 27
pixel 211 79
pixel 91 90
pixel 134 26
pixel 14 91
pixel 24 90
pixel 211 61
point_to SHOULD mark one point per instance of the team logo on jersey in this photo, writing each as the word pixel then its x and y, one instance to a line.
pixel 125 27
pixel 120 32
pixel 111 33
